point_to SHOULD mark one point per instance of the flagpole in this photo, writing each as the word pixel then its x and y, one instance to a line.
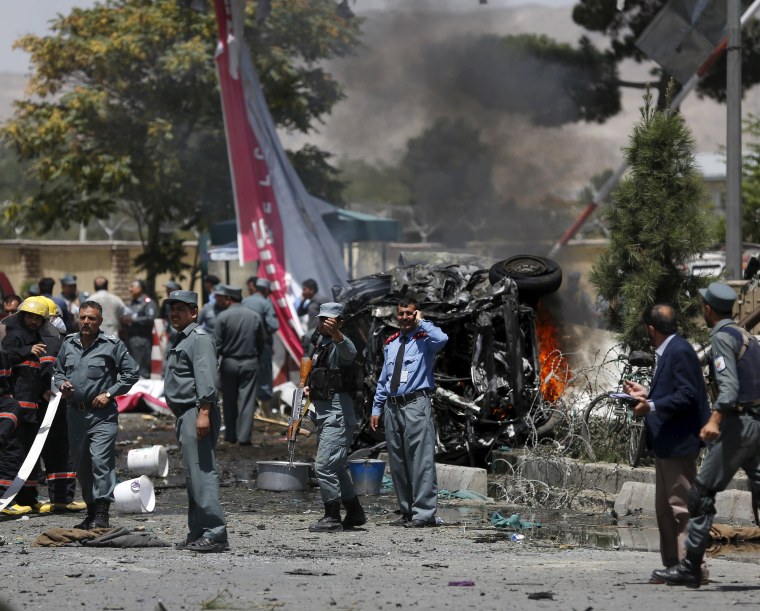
pixel 612 181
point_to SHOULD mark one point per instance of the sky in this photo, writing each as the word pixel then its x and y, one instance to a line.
pixel 34 16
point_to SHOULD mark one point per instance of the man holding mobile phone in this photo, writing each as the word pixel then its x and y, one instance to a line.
pixel 675 406
pixel 404 395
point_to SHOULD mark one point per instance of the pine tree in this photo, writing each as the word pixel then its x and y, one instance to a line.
pixel 657 222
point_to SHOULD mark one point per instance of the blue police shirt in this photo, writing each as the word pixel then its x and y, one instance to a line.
pixel 422 344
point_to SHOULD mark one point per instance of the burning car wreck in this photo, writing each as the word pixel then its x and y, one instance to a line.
pixel 490 388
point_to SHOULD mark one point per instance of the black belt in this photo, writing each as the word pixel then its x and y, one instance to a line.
pixel 181 409
pixel 409 397
pixel 749 406
pixel 80 405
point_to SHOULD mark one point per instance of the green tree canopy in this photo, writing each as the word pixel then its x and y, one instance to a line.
pixel 751 181
pixel 656 222
pixel 623 28
pixel 124 114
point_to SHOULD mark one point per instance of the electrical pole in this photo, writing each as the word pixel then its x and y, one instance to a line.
pixel 734 144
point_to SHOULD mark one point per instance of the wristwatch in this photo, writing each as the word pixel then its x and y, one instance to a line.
pixel 108 395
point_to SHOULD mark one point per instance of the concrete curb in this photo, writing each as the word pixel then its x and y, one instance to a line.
pixel 730 505
pixel 632 488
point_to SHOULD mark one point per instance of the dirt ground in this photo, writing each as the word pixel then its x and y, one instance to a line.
pixel 276 563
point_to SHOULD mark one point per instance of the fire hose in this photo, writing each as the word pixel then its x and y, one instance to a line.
pixel 34 453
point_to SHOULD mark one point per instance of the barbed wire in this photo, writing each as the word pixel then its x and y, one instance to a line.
pixel 549 472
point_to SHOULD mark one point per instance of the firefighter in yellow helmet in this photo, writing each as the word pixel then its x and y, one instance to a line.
pixel 32 342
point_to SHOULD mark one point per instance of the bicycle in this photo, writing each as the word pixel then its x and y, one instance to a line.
pixel 617 433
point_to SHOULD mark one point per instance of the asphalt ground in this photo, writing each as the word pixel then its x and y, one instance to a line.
pixel 276 563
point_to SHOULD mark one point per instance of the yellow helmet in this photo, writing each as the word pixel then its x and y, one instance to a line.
pixel 52 306
pixel 33 305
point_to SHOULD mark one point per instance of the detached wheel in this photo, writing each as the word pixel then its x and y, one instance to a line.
pixel 532 274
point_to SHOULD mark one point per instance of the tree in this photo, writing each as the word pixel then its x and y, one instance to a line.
pixel 751 181
pixel 656 222
pixel 623 28
pixel 447 170
pixel 124 114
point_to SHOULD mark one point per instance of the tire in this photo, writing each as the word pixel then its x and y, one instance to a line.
pixel 605 429
pixel 532 274
pixel 637 441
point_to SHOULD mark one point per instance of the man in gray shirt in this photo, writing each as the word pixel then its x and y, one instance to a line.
pixel 190 391
pixel 91 369
pixel 239 338
pixel 113 307
pixel 260 303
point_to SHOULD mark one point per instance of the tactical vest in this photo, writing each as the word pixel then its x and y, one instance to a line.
pixel 324 382
pixel 747 363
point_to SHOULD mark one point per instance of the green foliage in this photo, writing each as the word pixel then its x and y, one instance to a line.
pixel 751 180
pixel 124 114
pixel 318 176
pixel 624 27
pixel 657 222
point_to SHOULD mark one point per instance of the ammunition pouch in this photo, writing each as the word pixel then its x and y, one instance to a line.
pixel 324 382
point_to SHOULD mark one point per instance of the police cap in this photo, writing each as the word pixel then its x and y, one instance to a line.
pixel 331 310
pixel 263 283
pixel 233 292
pixel 719 296
pixel 69 279
pixel 188 297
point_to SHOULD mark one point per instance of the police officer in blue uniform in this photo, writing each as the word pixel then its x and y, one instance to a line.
pixel 330 386
pixel 733 429
pixel 260 303
pixel 91 369
pixel 404 391
pixel 190 391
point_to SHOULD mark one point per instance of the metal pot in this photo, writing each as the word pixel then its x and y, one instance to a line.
pixel 280 475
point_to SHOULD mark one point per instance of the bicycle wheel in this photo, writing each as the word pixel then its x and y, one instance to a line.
pixel 606 429
pixel 637 440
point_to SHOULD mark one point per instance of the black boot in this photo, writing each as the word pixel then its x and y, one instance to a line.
pixel 101 514
pixel 86 524
pixel 688 572
pixel 331 521
pixel 355 514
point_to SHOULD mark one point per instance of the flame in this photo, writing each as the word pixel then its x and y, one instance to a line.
pixel 555 373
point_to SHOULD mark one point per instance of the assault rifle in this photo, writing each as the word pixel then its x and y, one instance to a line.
pixel 297 410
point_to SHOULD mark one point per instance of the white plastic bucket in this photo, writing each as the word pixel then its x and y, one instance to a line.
pixel 148 461
pixel 135 496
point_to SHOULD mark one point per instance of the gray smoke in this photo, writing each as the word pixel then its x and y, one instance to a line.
pixel 414 67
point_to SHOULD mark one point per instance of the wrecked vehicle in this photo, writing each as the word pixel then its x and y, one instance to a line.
pixel 488 376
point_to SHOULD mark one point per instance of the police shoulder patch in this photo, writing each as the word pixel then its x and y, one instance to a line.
pixel 420 335
pixel 720 363
pixel 392 337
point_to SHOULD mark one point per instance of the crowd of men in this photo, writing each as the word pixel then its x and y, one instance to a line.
pixel 97 353
pixel 90 365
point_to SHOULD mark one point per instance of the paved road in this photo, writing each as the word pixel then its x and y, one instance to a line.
pixel 275 563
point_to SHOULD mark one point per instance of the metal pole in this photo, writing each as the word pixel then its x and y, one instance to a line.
pixel 734 143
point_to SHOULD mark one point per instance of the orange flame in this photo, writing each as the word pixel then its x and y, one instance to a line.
pixel 555 373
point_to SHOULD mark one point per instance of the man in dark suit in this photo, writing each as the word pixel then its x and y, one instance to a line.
pixel 676 407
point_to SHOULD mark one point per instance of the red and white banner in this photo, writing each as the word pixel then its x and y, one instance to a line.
pixel 269 196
